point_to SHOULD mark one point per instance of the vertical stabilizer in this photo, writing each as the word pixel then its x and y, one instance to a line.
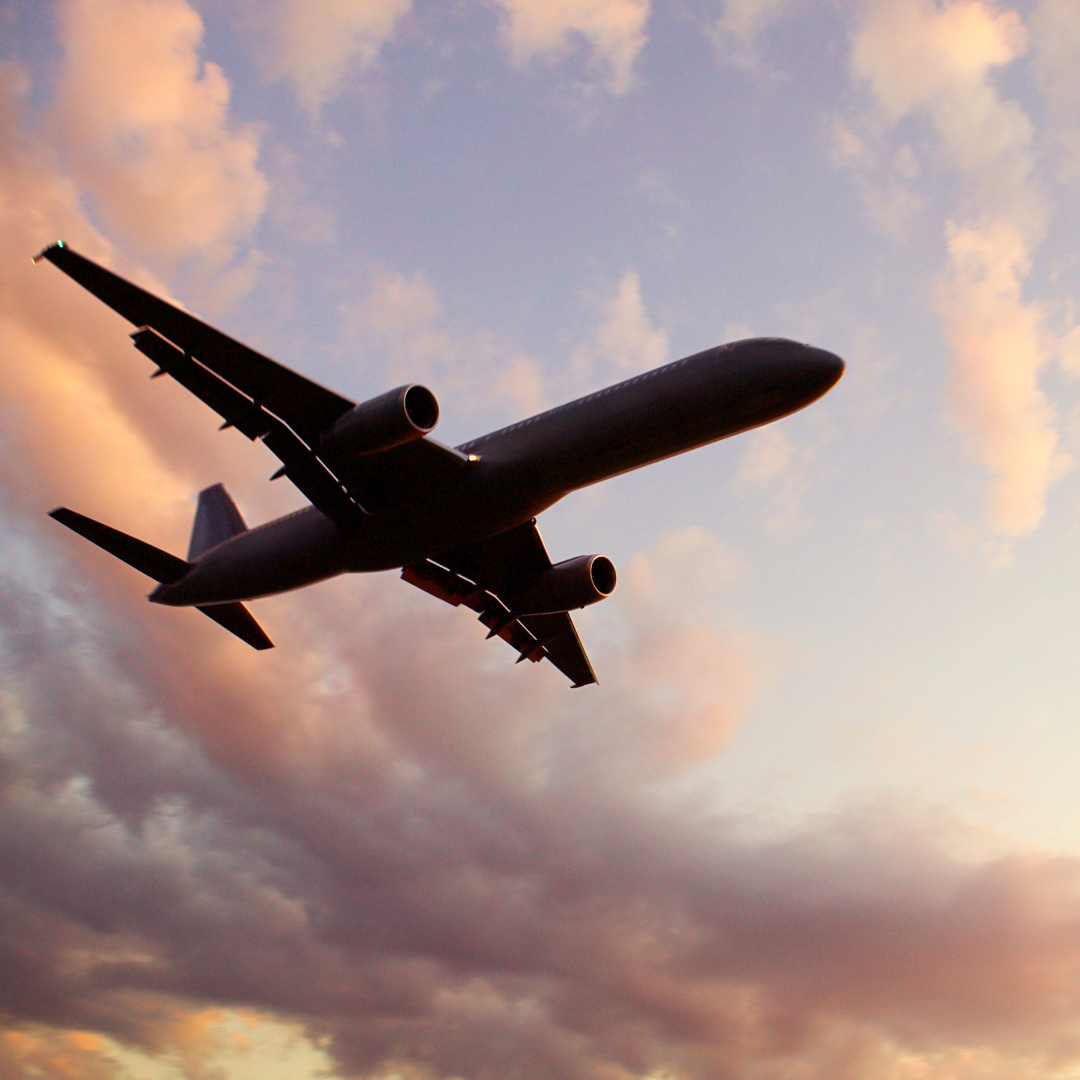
pixel 216 520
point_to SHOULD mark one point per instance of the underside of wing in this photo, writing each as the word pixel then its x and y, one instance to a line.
pixel 299 462
pixel 409 471
pixel 306 407
pixel 267 401
pixel 479 575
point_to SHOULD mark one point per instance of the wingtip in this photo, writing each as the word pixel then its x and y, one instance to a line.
pixel 44 252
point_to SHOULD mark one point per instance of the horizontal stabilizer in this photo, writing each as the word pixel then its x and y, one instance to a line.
pixel 149 560
pixel 239 621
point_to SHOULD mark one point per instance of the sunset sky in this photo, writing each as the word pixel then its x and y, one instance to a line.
pixel 821 818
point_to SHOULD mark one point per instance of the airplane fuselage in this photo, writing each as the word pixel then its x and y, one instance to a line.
pixel 523 469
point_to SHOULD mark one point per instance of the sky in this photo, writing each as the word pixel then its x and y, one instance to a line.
pixel 819 819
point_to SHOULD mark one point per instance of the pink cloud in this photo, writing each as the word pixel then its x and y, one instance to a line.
pixel 917 58
pixel 614 31
pixel 147 129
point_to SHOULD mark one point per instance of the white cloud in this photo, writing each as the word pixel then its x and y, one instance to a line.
pixel 613 29
pixel 316 42
pixel 998 347
pixel 145 126
pixel 920 59
pixel 626 341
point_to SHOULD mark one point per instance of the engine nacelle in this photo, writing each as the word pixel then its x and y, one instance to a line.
pixel 396 417
pixel 567 586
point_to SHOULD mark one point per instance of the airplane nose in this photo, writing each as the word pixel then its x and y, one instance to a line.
pixel 779 376
pixel 823 370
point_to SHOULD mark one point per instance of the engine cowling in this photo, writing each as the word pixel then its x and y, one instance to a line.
pixel 396 417
pixel 567 586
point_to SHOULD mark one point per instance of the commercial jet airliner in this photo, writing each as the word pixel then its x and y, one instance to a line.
pixel 459 522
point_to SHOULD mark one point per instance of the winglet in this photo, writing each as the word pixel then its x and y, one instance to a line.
pixel 44 253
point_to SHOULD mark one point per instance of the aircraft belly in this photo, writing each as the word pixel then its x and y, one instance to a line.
pixel 494 500
pixel 285 554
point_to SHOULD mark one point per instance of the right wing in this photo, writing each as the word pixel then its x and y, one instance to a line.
pixel 267 401
pixel 476 575
pixel 306 407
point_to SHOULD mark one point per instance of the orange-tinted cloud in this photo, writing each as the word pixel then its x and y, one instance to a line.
pixel 918 58
pixel 315 42
pixel 145 125
pixel 998 346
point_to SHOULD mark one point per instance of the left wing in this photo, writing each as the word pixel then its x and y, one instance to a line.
pixel 476 575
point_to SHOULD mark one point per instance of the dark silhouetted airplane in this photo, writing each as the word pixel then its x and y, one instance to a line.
pixel 460 522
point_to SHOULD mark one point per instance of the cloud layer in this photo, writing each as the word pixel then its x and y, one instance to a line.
pixel 433 862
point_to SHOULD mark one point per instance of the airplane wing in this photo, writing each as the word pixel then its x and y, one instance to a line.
pixel 475 575
pixel 265 400
pixel 306 407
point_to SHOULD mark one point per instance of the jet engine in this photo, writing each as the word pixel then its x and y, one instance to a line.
pixel 567 586
pixel 396 417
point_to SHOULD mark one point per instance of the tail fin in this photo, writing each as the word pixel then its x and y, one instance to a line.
pixel 163 567
pixel 216 520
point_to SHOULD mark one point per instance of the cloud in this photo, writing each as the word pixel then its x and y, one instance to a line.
pixel 383 832
pixel 613 29
pixel 918 58
pixel 885 180
pixel 998 346
pixel 626 341
pixel 1055 39
pixel 402 321
pixel 316 42
pixel 936 62
pixel 770 468
pixel 146 128
pixel 740 24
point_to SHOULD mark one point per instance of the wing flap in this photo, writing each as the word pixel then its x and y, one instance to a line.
pixel 475 575
pixel 300 464
pixel 562 646
pixel 494 614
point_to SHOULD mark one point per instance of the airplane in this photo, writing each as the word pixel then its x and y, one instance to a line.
pixel 458 522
